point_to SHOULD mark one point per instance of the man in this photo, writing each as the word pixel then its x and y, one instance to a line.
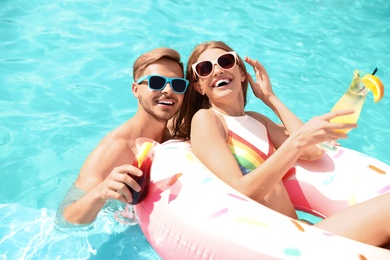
pixel 108 169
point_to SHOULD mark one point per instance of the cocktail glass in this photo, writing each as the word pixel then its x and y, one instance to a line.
pixel 143 160
pixel 352 99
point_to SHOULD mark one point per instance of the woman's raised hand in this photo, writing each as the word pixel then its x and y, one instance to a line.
pixel 262 87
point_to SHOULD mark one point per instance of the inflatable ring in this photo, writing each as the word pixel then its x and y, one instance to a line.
pixel 189 213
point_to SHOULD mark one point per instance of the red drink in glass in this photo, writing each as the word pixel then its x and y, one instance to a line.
pixel 142 181
pixel 143 161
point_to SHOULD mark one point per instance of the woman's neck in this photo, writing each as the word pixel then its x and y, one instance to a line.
pixel 229 110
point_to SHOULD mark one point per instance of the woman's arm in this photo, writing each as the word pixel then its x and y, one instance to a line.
pixel 209 143
pixel 262 89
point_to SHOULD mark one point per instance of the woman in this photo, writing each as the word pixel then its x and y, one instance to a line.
pixel 224 136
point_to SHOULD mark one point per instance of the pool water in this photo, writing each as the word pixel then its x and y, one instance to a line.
pixel 65 79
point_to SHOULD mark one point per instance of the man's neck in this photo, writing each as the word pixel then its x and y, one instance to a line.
pixel 148 126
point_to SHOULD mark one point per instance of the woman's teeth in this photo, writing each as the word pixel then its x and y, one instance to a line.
pixel 221 82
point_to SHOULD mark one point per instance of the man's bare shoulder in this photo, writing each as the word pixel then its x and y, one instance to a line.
pixel 115 137
pixel 113 150
pixel 113 145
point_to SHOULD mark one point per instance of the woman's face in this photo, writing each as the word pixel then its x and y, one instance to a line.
pixel 225 76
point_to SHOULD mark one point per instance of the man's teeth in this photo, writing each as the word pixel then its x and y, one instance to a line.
pixel 163 102
pixel 222 82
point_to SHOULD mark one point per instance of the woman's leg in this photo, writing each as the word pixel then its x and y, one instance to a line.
pixel 367 222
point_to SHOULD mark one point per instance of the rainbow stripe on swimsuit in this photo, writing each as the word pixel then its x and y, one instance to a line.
pixel 246 154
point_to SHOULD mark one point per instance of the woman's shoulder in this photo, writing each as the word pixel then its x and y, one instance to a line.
pixel 208 118
pixel 259 117
pixel 204 114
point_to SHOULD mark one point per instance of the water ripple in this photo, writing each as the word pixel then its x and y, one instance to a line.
pixel 4 136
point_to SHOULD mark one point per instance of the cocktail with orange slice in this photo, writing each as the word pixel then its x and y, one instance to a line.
pixel 355 96
pixel 143 160
pixel 354 99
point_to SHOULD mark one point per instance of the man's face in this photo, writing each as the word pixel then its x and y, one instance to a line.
pixel 160 104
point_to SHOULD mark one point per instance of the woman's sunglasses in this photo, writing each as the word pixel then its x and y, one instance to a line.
pixel 157 82
pixel 226 61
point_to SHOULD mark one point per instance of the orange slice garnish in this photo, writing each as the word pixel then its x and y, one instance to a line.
pixel 143 152
pixel 374 84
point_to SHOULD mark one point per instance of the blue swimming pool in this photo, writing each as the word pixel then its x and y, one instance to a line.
pixel 65 79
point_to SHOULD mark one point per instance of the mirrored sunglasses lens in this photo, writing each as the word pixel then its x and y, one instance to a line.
pixel 156 82
pixel 226 61
pixel 179 85
pixel 204 68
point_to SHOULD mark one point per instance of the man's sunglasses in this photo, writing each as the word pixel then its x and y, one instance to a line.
pixel 157 82
pixel 204 68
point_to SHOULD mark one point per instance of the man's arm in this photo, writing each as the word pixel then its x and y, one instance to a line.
pixel 103 177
